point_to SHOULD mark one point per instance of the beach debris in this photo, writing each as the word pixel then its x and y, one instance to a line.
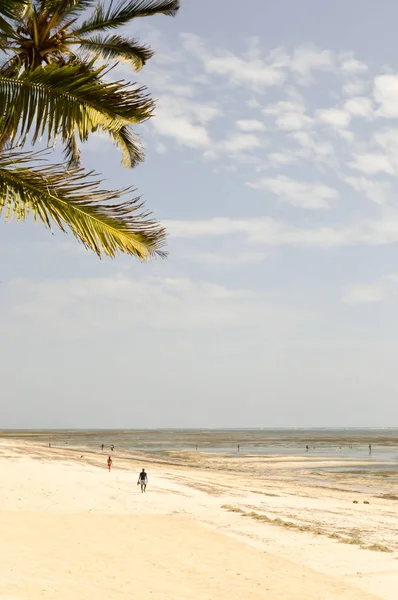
pixel 387 496
pixel 366 502
pixel 377 548
pixel 355 501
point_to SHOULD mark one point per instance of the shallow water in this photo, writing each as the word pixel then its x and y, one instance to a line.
pixel 345 444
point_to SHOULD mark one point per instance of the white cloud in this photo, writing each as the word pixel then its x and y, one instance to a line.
pixel 302 194
pixel 371 163
pixel 77 305
pixel 166 84
pixel 388 140
pixel 354 87
pixel 293 121
pixel 253 103
pixel 240 71
pixel 380 192
pixel 351 65
pixel 360 106
pixel 250 125
pixel 240 142
pixel 280 158
pixel 247 70
pixel 273 232
pixel 385 93
pixel 314 147
pixel 231 260
pixel 161 148
pixel 361 294
pixel 304 61
pixel 237 144
pixel 308 58
pixel 335 117
pixel 184 120
pixel 289 115
pixel 181 129
pixel 376 292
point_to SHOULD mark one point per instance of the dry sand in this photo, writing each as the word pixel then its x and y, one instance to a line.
pixel 209 528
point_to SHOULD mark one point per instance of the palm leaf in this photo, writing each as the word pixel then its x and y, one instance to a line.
pixel 61 100
pixel 72 152
pixel 65 8
pixel 71 199
pixel 116 47
pixel 130 146
pixel 124 12
pixel 10 9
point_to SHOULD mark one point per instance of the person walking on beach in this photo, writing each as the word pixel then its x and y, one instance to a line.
pixel 142 480
pixel 102 447
pixel 109 461
pixel 370 449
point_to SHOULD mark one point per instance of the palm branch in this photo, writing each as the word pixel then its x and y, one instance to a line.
pixel 9 9
pixel 124 12
pixel 48 31
pixel 72 99
pixel 72 199
pixel 116 47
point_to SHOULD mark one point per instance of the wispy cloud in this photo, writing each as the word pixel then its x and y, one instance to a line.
pixel 230 260
pixel 335 117
pixel 376 292
pixel 75 305
pixel 289 115
pixel 385 93
pixel 250 125
pixel 312 196
pixel 184 120
pixel 377 191
pixel 273 232
pixel 252 71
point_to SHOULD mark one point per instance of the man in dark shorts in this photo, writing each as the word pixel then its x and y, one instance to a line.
pixel 142 480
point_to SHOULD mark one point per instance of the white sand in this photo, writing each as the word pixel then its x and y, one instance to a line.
pixel 70 529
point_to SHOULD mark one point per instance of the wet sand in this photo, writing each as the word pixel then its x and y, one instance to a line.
pixel 209 526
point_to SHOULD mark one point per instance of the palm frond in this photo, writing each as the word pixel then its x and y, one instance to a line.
pixel 11 8
pixel 65 8
pixel 117 47
pixel 130 146
pixel 71 199
pixel 124 12
pixel 72 152
pixel 60 100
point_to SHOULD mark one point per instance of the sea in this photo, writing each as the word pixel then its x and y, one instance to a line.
pixel 347 443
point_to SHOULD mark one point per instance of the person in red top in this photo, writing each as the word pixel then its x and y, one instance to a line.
pixel 109 463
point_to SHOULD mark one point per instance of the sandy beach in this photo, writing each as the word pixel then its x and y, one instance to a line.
pixel 209 527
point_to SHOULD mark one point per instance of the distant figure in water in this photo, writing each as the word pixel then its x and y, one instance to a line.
pixel 109 461
pixel 238 447
pixel 102 447
pixel 142 480
pixel 307 447
pixel 49 445
pixel 196 447
pixel 370 448
pixel 112 447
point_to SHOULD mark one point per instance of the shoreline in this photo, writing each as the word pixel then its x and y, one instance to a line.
pixel 303 522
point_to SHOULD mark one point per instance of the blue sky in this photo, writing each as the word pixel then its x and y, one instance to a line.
pixel 272 159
